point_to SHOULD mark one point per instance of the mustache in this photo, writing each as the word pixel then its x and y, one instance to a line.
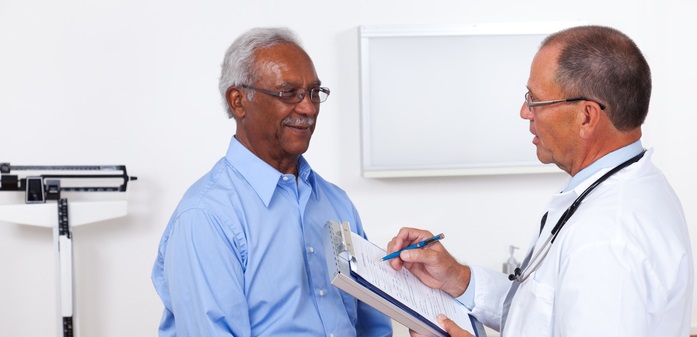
pixel 300 121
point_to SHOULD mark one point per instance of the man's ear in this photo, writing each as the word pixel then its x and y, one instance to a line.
pixel 235 102
pixel 591 117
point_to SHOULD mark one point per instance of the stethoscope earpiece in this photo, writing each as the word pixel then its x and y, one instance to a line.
pixel 515 274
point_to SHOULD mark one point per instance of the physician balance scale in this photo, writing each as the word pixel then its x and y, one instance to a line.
pixel 41 186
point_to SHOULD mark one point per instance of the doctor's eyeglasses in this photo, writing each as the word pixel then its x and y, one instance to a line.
pixel 294 96
pixel 531 104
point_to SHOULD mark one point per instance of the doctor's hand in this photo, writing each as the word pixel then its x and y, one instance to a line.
pixel 432 264
pixel 449 326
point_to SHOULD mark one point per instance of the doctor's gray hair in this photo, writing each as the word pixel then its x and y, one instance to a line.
pixel 238 65
pixel 604 64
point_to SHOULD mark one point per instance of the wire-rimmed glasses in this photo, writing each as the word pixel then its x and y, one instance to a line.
pixel 531 104
pixel 294 96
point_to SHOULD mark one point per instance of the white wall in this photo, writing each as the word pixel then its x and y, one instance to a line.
pixel 135 82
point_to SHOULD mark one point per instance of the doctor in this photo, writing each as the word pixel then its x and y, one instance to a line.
pixel 613 255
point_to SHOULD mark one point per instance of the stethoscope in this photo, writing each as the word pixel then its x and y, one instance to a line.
pixel 536 260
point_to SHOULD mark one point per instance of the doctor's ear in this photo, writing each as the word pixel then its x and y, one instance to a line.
pixel 592 117
pixel 234 97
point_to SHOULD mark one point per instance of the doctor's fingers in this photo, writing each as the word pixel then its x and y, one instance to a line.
pixel 413 333
pixel 407 236
pixel 451 328
pixel 431 256
pixel 436 264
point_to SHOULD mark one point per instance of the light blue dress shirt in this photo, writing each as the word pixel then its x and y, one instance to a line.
pixel 243 255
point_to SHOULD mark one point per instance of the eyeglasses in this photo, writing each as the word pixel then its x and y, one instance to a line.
pixel 530 104
pixel 294 96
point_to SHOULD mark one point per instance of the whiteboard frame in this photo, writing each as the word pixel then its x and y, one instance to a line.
pixel 367 34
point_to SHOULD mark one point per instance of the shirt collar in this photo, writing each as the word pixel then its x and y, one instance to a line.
pixel 261 176
pixel 609 160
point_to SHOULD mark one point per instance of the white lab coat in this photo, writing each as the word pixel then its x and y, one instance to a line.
pixel 621 266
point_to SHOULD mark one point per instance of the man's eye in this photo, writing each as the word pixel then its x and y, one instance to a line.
pixel 289 93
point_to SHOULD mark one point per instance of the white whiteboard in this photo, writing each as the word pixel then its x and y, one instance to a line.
pixel 445 100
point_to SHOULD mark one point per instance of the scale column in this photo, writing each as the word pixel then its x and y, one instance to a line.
pixel 65 256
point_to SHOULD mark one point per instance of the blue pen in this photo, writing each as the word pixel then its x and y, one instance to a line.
pixel 415 246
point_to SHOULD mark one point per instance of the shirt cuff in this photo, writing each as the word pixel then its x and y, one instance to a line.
pixel 467 298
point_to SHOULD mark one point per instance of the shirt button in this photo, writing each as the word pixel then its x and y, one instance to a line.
pixel 285 178
pixel 321 293
pixel 312 250
pixel 331 335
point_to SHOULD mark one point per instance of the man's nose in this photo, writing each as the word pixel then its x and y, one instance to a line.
pixel 306 106
pixel 525 112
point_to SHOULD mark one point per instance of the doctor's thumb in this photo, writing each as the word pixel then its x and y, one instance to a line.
pixel 451 328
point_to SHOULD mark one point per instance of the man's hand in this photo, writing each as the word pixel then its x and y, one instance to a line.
pixel 433 265
pixel 449 326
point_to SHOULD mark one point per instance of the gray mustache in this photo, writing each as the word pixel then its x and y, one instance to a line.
pixel 299 121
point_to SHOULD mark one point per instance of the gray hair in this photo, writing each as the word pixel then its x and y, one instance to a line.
pixel 604 64
pixel 238 65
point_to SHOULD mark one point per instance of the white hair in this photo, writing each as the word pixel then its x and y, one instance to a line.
pixel 238 65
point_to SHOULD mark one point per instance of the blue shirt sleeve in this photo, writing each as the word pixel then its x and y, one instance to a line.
pixel 204 274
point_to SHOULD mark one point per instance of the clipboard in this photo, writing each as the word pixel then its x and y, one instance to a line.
pixel 342 263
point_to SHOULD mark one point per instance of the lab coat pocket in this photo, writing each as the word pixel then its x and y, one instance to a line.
pixel 531 311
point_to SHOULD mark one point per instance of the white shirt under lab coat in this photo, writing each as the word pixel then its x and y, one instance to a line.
pixel 621 266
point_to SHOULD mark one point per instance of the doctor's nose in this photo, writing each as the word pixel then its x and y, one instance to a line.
pixel 525 112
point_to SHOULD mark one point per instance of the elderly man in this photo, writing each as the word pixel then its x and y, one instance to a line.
pixel 243 252
pixel 613 255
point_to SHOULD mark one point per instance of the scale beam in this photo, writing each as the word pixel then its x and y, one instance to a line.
pixel 41 184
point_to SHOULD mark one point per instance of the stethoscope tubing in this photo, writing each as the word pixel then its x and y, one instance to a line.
pixel 523 275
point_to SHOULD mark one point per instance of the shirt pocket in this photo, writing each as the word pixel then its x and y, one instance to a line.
pixel 531 311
